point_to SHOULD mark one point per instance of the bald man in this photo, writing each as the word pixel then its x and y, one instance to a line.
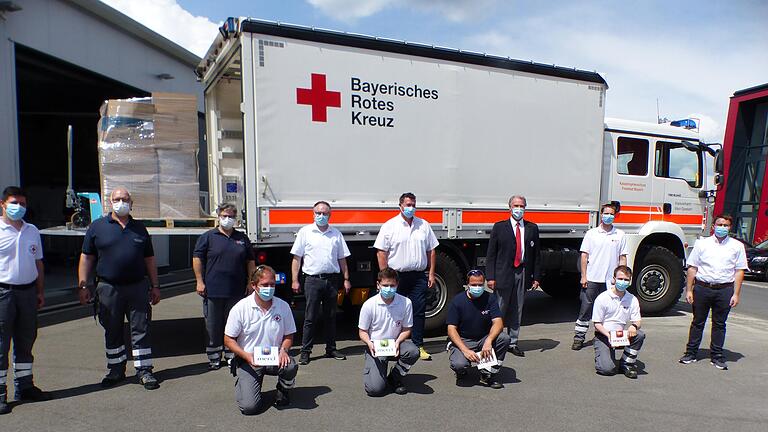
pixel 121 250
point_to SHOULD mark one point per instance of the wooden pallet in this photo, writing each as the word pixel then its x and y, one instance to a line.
pixel 178 223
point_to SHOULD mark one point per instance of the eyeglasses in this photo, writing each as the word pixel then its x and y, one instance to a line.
pixel 475 272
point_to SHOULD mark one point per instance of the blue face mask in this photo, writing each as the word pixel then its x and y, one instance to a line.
pixel 321 219
pixel 517 213
pixel 387 291
pixel 476 290
pixel 720 231
pixel 622 285
pixel 608 218
pixel 15 211
pixel 409 211
pixel 265 292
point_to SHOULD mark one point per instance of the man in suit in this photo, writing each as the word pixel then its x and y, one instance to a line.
pixel 513 266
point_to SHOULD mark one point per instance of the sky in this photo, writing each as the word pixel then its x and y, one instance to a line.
pixel 685 57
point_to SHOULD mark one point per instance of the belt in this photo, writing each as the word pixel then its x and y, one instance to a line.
pixel 411 271
pixel 325 275
pixel 714 285
pixel 16 287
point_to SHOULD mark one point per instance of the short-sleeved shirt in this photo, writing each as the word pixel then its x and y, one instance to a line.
pixel 604 249
pixel 120 251
pixel 254 327
pixel 321 250
pixel 717 262
pixel 406 245
pixel 615 312
pixel 18 252
pixel 385 321
pixel 473 317
pixel 226 262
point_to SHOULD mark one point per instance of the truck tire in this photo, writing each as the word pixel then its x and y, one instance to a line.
pixel 658 280
pixel 561 285
pixel 448 282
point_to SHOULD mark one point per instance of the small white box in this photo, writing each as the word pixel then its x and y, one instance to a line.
pixel 385 347
pixel 266 356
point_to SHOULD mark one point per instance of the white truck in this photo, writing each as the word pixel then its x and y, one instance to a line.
pixel 296 115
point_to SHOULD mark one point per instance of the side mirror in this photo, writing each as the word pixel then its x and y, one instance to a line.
pixel 718 163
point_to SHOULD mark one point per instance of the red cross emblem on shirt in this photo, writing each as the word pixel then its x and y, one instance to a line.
pixel 319 98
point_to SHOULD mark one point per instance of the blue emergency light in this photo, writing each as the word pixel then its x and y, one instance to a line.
pixel 685 123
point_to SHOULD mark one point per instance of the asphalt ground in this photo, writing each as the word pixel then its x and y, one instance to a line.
pixel 551 389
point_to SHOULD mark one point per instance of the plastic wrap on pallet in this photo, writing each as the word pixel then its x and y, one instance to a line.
pixel 148 142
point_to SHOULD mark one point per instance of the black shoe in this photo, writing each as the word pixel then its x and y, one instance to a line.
pixel 336 354
pixel 113 377
pixel 577 345
pixel 214 365
pixel 460 376
pixel 397 384
pixel 719 363
pixel 304 358
pixel 515 350
pixel 4 408
pixel 281 398
pixel 149 381
pixel 33 394
pixel 688 358
pixel 491 381
pixel 629 371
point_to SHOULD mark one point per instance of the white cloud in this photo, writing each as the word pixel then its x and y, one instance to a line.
pixel 452 10
pixel 169 19
pixel 710 131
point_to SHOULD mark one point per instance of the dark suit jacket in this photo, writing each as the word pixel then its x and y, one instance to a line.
pixel 500 259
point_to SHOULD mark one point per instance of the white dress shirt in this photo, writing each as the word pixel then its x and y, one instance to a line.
pixel 717 262
pixel 321 250
pixel 406 244
pixel 515 223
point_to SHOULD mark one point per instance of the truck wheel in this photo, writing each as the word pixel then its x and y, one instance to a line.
pixel 448 282
pixel 659 281
pixel 561 286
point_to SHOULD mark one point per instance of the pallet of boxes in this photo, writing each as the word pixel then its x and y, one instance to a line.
pixel 149 146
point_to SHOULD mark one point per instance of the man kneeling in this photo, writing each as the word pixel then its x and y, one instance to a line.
pixel 613 310
pixel 259 325
pixel 475 324
pixel 385 324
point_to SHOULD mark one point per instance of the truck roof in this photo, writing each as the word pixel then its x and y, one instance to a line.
pixel 293 31
pixel 645 128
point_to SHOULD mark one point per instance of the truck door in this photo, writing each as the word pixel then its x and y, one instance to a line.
pixel 679 167
pixel 632 185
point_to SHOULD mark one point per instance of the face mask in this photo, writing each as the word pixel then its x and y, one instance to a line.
pixel 721 231
pixel 266 292
pixel 227 222
pixel 321 219
pixel 409 211
pixel 622 285
pixel 517 213
pixel 476 290
pixel 15 211
pixel 608 218
pixel 121 208
pixel 387 291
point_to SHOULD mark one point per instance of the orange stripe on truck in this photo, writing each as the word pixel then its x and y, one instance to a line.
pixel 478 217
pixel 347 216
pixel 682 219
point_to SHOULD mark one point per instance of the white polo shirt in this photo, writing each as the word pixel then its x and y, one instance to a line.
pixel 604 249
pixel 385 321
pixel 18 252
pixel 406 245
pixel 717 262
pixel 254 327
pixel 321 250
pixel 615 312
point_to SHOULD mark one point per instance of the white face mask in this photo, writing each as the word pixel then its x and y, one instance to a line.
pixel 226 222
pixel 121 208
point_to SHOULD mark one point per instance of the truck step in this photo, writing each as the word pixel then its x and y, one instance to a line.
pixel 178 223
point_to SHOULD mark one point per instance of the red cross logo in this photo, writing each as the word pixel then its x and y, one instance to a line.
pixel 319 98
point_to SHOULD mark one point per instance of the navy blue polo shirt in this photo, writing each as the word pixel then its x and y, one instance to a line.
pixel 226 262
pixel 473 318
pixel 120 251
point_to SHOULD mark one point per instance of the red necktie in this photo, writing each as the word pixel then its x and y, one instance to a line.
pixel 519 248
